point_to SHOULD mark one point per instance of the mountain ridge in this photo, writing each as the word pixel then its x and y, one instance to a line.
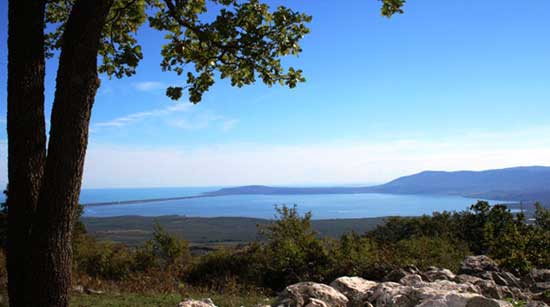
pixel 521 183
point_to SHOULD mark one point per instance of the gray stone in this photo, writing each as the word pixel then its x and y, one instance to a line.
pixel 481 301
pixel 316 303
pixel 541 275
pixel 489 288
pixel 463 278
pixel 301 294
pixel 394 294
pixel 92 291
pixel 411 280
pixel 354 288
pixel 476 265
pixel 435 274
pixel 449 300
pixel 197 303
pixel 396 275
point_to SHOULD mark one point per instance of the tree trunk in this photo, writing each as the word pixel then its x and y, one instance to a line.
pixel 76 86
pixel 26 137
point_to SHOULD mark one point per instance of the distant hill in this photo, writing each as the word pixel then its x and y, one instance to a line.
pixel 527 183
pixel 517 183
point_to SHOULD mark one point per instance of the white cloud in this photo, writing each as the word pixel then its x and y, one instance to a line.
pixel 147 86
pixel 139 116
pixel 329 162
pixel 203 120
pixel 200 121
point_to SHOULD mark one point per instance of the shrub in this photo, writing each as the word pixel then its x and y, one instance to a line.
pixel 117 261
pixel 430 251
pixel 163 251
pixel 102 259
pixel 354 255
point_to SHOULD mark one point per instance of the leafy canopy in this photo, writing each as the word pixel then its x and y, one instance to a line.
pixel 244 41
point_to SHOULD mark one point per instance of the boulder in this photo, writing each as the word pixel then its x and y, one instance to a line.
pixel 316 303
pixel 78 289
pixel 542 286
pixel 393 294
pixel 304 293
pixel 420 293
pixel 446 285
pixel 435 274
pixel 411 280
pixel 92 291
pixel 463 278
pixel 540 275
pixel 395 275
pixel 354 288
pixel 481 301
pixel 477 265
pixel 506 279
pixel 490 289
pixel 449 300
pixel 541 296
pixel 197 303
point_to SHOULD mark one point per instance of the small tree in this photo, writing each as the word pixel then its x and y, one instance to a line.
pixel 293 252
pixel 243 42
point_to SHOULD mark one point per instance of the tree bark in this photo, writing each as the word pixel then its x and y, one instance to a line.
pixel 26 137
pixel 76 86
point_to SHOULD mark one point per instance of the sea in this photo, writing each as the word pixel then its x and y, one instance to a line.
pixel 322 206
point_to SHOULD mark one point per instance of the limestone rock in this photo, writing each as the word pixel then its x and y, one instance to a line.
pixel 481 301
pixel 490 289
pixel 354 288
pixel 449 300
pixel 477 265
pixel 541 275
pixel 436 274
pixel 316 303
pixel 463 278
pixel 411 280
pixel 196 303
pixel 304 293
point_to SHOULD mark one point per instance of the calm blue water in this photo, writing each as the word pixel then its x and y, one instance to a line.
pixel 108 195
pixel 261 206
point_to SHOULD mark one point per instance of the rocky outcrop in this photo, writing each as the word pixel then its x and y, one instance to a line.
pixel 478 266
pixel 354 288
pixel 479 283
pixel 434 273
pixel 195 303
pixel 310 294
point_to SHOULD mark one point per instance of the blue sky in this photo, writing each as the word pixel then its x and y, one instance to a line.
pixel 448 85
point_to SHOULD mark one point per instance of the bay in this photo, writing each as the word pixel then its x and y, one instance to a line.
pixel 322 206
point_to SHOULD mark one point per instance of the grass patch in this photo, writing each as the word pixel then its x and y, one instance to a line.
pixel 172 299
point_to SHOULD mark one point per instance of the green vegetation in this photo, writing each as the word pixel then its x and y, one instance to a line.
pixel 161 299
pixel 201 231
pixel 287 250
pixel 292 252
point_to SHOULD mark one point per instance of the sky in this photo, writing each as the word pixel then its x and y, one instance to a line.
pixel 449 85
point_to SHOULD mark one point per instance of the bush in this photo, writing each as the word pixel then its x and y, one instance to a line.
pixel 431 251
pixel 484 229
pixel 291 251
pixel 103 259
pixel 163 251
pixel 117 261
pixel 355 255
